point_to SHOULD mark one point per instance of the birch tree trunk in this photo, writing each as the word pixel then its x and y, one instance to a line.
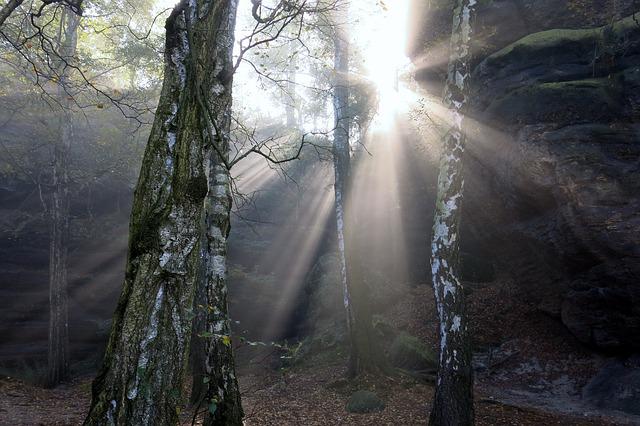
pixel 364 353
pixel 221 393
pixel 453 401
pixel 58 341
pixel 342 172
pixel 141 380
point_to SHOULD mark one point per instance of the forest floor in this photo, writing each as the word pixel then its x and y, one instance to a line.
pixel 530 372
pixel 307 395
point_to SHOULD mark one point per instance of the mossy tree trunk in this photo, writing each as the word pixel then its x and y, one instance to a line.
pixel 453 400
pixel 220 393
pixel 58 342
pixel 141 379
pixel 364 354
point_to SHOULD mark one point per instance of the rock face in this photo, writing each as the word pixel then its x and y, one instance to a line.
pixel 616 387
pixel 553 171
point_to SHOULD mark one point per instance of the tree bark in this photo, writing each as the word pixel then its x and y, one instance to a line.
pixel 220 393
pixel 141 380
pixel 453 401
pixel 342 171
pixel 58 342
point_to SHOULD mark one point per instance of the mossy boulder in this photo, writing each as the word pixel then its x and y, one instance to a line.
pixel 590 100
pixel 580 67
pixel 410 353
pixel 364 401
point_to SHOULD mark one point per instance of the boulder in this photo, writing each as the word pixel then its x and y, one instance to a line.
pixel 410 353
pixel 616 386
pixel 364 401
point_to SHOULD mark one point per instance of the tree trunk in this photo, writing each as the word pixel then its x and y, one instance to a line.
pixel 58 343
pixel 221 394
pixel 198 347
pixel 364 354
pixel 290 97
pixel 453 401
pixel 141 380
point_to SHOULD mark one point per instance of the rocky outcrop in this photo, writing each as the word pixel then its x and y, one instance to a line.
pixel 615 387
pixel 554 176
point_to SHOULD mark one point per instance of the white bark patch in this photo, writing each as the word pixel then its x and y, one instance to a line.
pixel 176 241
pixel 222 178
pixel 220 190
pixel 177 325
pixel 178 57
pixel 111 411
pixel 441 232
pixel 448 288
pixel 152 333
pixel 218 266
pixel 216 233
pixel 435 267
pixel 460 79
pixel 171 140
pixel 217 89
pixel 455 325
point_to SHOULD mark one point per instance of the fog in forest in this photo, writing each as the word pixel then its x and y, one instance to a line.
pixel 319 212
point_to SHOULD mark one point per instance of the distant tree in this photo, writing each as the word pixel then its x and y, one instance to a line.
pixel 453 400
pixel 365 355
pixel 58 354
pixel 40 39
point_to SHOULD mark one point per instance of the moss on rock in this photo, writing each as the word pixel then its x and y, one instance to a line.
pixel 410 353
pixel 364 401
pixel 589 100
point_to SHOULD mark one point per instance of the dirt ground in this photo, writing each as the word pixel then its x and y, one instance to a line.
pixel 300 397
pixel 533 376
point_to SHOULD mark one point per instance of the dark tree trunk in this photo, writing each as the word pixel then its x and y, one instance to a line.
pixel 58 342
pixel 453 401
pixel 141 380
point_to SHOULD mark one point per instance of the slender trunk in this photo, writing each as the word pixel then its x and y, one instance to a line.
pixel 364 354
pixel 290 97
pixel 453 401
pixel 220 392
pixel 342 171
pixel 222 395
pixel 141 380
pixel 58 343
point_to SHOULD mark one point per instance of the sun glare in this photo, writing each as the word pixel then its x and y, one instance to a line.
pixel 381 33
pixel 165 4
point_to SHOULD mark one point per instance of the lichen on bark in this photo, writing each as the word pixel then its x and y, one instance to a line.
pixel 140 382
pixel 453 400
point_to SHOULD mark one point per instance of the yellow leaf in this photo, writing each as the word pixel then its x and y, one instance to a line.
pixel 226 340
